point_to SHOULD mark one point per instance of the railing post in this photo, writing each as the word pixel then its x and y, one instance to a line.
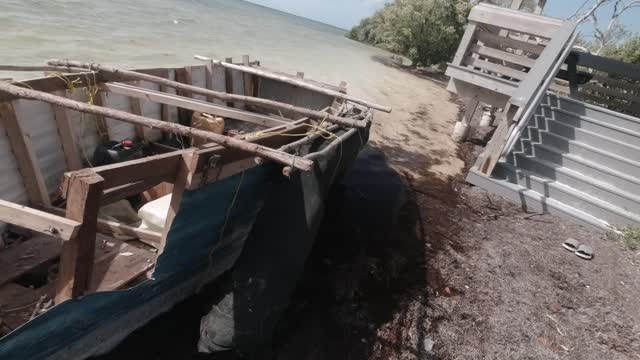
pixel 76 261
pixel 572 68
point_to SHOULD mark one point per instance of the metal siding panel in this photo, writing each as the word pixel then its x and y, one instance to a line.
pixel 119 130
pixel 84 127
pixel 152 110
pixel 11 184
pixel 38 121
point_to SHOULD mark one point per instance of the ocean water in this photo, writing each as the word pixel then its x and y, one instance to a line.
pixel 157 33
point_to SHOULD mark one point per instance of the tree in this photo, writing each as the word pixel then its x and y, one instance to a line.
pixel 628 51
pixel 606 34
pixel 426 31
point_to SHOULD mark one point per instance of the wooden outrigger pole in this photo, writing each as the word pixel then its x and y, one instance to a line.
pixel 229 142
pixel 223 96
pixel 296 82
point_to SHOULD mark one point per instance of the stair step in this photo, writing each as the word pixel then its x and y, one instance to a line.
pixel 590 153
pixel 598 189
pixel 590 138
pixel 533 201
pixel 587 168
pixel 599 113
pixel 568 196
pixel 582 122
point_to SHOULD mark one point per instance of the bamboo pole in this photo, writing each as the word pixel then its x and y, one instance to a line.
pixel 27 68
pixel 288 170
pixel 262 151
pixel 296 82
pixel 133 75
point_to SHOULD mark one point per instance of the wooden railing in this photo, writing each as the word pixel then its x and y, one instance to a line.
pixel 508 59
pixel 604 82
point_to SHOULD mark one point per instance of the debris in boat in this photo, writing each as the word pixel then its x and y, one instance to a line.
pixel 38 307
pixel 207 122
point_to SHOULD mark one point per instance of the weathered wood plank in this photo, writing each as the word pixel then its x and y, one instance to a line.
pixel 497 41
pixel 186 170
pixel 112 228
pixel 162 167
pixel 496 68
pixel 24 257
pixel 39 221
pixel 486 81
pixel 76 260
pixel 503 55
pixel 515 20
pixel 25 155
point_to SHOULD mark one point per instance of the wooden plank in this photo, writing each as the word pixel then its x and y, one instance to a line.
pixel 120 267
pixel 25 156
pixel 125 191
pixel 39 221
pixel 26 256
pixel 136 109
pixel 248 77
pixel 486 81
pixel 228 78
pixel 166 109
pixel 192 104
pixel 503 55
pixel 162 167
pixel 496 68
pixel 610 66
pixel 116 229
pixel 187 169
pixel 209 78
pixel 515 20
pixel 498 42
pixel 491 154
pixel 67 137
pixel 117 264
pixel 112 228
pixel 76 260
pixel 465 43
pixel 470 91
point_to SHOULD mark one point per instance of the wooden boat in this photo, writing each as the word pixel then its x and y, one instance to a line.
pixel 74 283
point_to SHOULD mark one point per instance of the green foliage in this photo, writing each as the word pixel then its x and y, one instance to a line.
pixel 628 51
pixel 629 236
pixel 426 31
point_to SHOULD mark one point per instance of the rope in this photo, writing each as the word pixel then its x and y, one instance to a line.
pixel 226 220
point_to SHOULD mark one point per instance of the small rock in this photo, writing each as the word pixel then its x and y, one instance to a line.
pixel 428 345
pixel 555 308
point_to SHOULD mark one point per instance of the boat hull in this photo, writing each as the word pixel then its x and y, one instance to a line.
pixel 206 239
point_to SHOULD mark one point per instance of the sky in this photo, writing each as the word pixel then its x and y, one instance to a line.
pixel 346 13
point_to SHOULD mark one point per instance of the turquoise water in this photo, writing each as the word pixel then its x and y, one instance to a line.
pixel 155 33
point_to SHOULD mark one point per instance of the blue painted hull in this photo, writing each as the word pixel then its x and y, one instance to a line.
pixel 195 254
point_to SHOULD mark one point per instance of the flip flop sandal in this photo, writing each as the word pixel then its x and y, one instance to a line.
pixel 585 252
pixel 571 245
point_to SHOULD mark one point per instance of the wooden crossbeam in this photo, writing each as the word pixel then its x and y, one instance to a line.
pixel 38 221
pixel 226 141
pixel 295 82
